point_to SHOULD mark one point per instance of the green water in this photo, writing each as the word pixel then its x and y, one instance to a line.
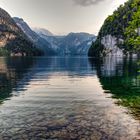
pixel 69 98
pixel 122 81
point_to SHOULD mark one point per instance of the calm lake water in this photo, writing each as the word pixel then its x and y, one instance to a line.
pixel 69 98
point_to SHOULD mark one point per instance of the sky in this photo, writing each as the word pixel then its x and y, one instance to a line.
pixel 62 16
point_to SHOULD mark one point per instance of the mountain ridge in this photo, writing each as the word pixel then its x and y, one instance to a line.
pixel 40 42
pixel 72 43
pixel 42 31
pixel 13 41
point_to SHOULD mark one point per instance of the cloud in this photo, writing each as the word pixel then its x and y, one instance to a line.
pixel 87 2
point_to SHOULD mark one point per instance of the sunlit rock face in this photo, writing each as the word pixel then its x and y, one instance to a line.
pixel 7 28
pixel 139 31
pixel 122 24
pixel 12 38
pixel 25 28
pixel 38 41
pixel 109 41
pixel 110 45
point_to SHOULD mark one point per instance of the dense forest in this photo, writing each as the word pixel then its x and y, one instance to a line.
pixel 123 24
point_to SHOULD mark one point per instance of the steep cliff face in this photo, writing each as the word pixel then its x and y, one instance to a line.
pixel 37 40
pixel 139 31
pixel 12 39
pixel 110 45
pixel 120 33
pixel 25 28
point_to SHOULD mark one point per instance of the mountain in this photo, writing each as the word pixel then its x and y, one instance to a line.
pixel 42 31
pixel 40 42
pixel 13 41
pixel 71 44
pixel 54 41
pixel 120 33
pixel 76 44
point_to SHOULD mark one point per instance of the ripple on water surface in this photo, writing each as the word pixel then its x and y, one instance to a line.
pixel 65 98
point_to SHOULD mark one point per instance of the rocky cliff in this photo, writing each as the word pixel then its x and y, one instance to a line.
pixel 12 39
pixel 36 39
pixel 120 33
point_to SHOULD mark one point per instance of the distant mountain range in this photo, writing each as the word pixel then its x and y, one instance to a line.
pixel 75 44
pixel 71 44
pixel 13 41
pixel 17 38
pixel 42 31
pixel 40 42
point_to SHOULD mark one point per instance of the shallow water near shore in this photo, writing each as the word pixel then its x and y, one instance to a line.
pixel 69 98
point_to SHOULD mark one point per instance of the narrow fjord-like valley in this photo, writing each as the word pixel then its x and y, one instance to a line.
pixel 72 86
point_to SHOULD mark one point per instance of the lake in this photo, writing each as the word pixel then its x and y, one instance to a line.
pixel 68 98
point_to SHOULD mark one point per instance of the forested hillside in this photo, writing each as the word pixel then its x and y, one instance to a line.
pixel 122 28
pixel 12 40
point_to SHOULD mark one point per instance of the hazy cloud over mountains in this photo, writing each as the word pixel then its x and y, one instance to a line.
pixel 63 16
pixel 87 2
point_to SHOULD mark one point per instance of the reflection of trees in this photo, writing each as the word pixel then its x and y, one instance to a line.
pixel 71 65
pixel 11 71
pixel 121 80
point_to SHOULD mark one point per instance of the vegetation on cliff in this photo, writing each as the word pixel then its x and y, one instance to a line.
pixel 12 39
pixel 123 24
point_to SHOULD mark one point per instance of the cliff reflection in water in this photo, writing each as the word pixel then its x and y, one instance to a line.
pixel 120 77
pixel 63 98
pixel 12 70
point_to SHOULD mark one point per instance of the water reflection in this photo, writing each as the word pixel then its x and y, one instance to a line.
pixel 15 72
pixel 12 70
pixel 119 76
pixel 64 98
pixel 76 66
